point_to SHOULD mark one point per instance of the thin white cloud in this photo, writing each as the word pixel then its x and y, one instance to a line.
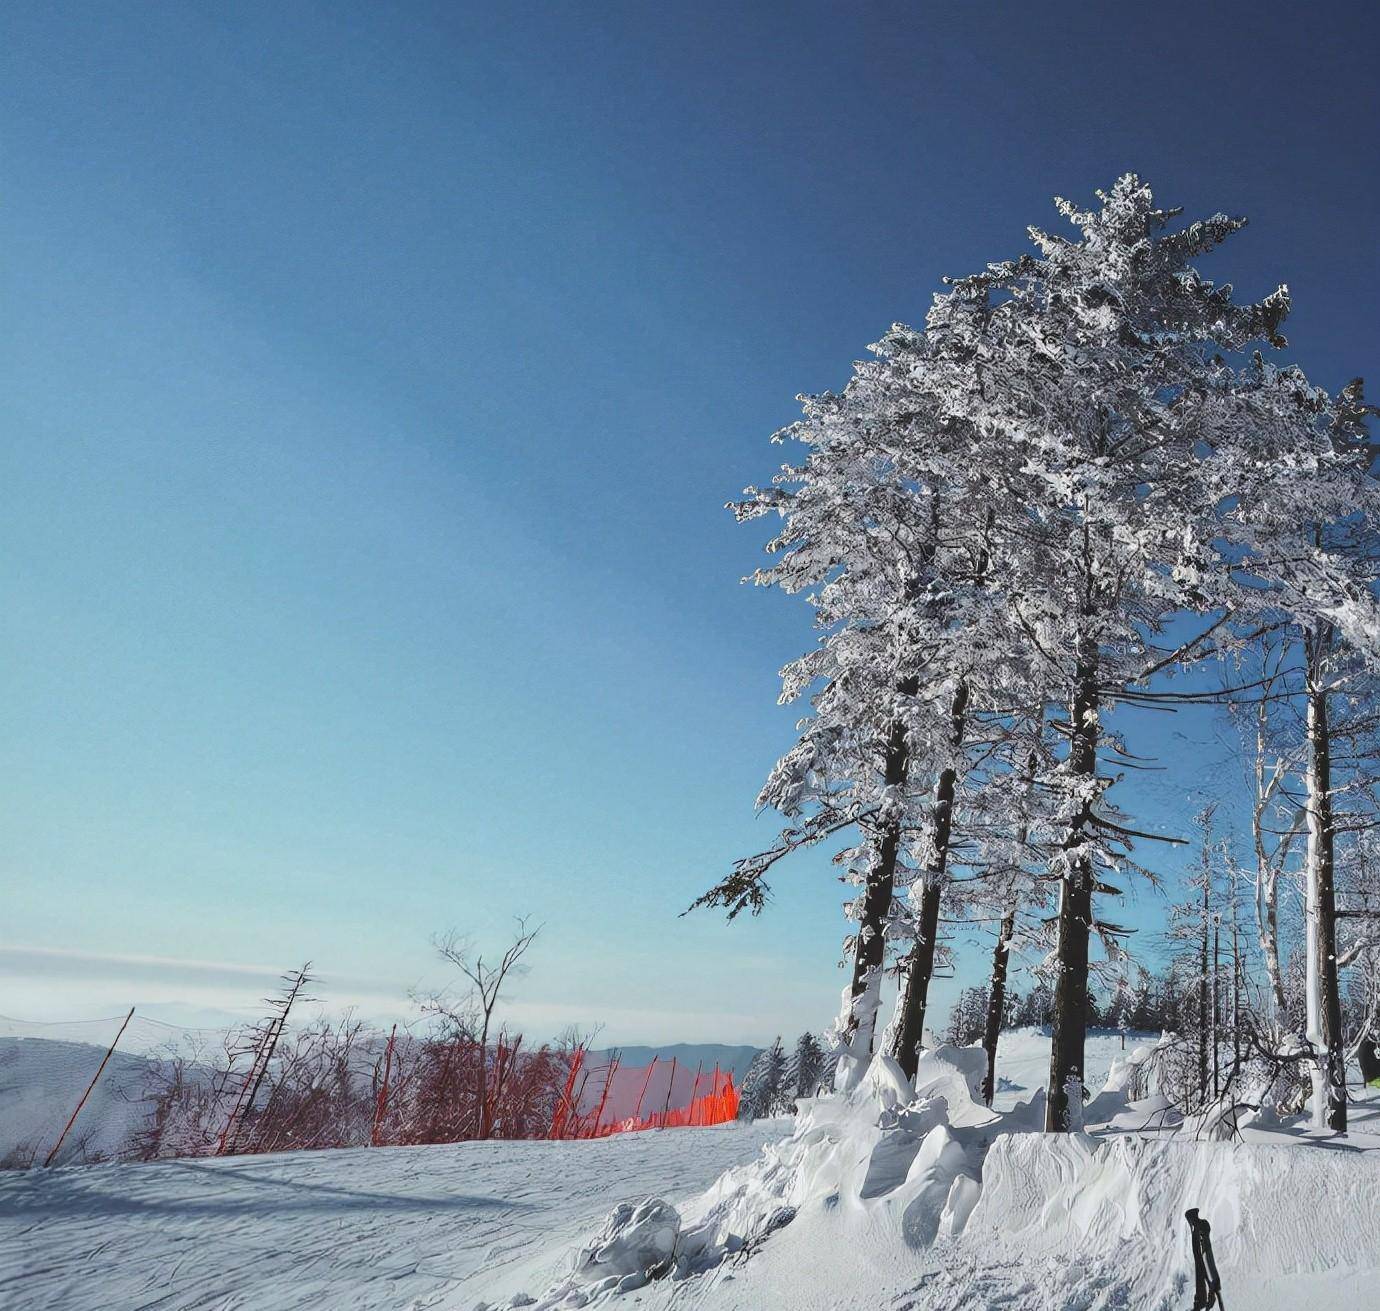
pixel 48 984
pixel 61 961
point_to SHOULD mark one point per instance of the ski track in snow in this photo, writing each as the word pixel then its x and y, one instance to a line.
pixel 399 1227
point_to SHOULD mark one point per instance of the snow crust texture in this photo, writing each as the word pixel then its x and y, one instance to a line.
pixel 382 1229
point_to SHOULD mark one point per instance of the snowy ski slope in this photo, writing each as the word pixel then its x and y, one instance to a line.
pixel 357 1230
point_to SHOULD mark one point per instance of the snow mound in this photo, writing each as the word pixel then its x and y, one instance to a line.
pixel 886 1151
pixel 1276 1212
pixel 951 1205
pixel 637 1243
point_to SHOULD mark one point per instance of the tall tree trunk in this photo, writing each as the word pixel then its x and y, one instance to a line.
pixel 1203 983
pixel 910 1031
pixel 1064 1095
pixel 869 953
pixel 996 1002
pixel 1266 866
pixel 996 992
pixel 1324 1009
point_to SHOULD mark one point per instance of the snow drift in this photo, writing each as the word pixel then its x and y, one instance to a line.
pixel 1120 1201
pixel 919 1192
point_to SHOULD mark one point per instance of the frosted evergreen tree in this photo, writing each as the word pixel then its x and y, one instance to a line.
pixel 1088 368
pixel 968 1017
pixel 887 558
pixel 805 1072
pixel 765 1090
pixel 994 524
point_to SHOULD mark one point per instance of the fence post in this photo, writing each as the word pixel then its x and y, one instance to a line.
pixel 666 1110
pixel 381 1105
pixel 637 1114
pixel 62 1137
pixel 694 1092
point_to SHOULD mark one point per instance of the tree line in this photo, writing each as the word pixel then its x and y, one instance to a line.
pixel 457 1075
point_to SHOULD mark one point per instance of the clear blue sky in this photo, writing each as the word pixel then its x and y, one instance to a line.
pixel 373 378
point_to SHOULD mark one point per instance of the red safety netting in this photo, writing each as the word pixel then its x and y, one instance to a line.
pixel 131 1088
pixel 610 1098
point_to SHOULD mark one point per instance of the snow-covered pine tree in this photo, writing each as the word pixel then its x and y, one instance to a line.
pixel 764 1090
pixel 889 558
pixel 750 1101
pixel 954 630
pixel 805 1072
pixel 1190 931
pixel 968 1017
pixel 1088 370
pixel 1292 473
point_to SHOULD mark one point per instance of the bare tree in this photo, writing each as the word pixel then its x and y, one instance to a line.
pixel 474 1012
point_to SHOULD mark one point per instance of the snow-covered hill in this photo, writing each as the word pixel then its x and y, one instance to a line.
pixel 365 1229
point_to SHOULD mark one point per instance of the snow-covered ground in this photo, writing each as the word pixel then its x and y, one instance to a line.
pixel 392 1227
pixel 920 1199
pixel 878 1200
pixel 1023 1061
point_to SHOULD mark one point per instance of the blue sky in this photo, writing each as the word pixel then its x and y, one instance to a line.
pixel 374 376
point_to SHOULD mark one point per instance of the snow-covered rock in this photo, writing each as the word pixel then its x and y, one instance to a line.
pixel 637 1243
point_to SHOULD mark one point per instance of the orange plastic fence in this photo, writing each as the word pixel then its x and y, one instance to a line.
pixel 717 1104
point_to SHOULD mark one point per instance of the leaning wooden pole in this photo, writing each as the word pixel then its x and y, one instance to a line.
pixel 666 1110
pixel 637 1113
pixel 694 1092
pixel 62 1137
pixel 381 1105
